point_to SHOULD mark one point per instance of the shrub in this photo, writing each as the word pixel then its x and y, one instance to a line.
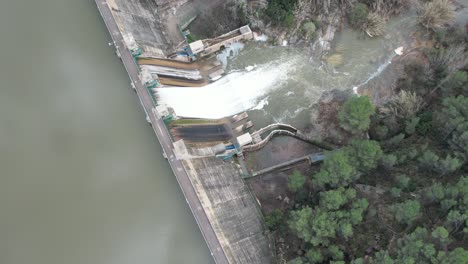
pixel 274 219
pixel 281 12
pixel 358 15
pixel 388 161
pixel 428 160
pixel 410 125
pixel 296 181
pixel 308 28
pixel 404 104
pixel 374 25
pixel 436 14
pixel 425 123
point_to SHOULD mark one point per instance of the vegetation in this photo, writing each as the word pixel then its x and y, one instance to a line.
pixel 436 14
pixel 358 15
pixel 355 114
pixel 280 12
pixel 395 191
pixel 296 181
pixel 309 29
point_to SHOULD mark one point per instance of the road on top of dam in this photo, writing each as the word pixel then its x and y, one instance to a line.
pixel 163 137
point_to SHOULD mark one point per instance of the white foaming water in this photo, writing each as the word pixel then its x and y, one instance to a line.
pixel 261 37
pixel 378 71
pixel 261 104
pixel 232 94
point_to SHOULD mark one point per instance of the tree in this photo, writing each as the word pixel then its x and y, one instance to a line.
pixel 296 181
pixel 456 84
pixel 335 252
pixel 314 256
pixel 334 199
pixel 441 235
pixel 416 248
pixel 382 257
pixel 448 165
pixel 325 222
pixel 436 14
pixel 456 256
pixel 367 154
pixel 428 160
pixel 336 170
pixel 388 161
pixel 297 260
pixel 454 114
pixel 355 114
pixel 407 212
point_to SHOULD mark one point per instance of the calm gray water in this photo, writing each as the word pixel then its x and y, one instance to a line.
pixel 82 178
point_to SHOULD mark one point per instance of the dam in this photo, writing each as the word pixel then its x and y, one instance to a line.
pixel 223 207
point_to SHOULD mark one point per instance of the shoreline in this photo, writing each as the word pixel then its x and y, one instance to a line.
pixel 163 137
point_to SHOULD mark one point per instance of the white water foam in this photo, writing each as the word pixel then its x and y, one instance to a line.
pixel 232 94
pixel 261 104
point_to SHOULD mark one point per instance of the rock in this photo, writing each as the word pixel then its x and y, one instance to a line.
pixel 293 40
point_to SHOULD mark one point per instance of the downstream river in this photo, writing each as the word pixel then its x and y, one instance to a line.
pixel 82 176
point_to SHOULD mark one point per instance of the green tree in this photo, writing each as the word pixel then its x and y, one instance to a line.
pixel 441 235
pixel 319 225
pixel 336 170
pixel 314 256
pixel 334 199
pixel 454 114
pixel 296 181
pixel 456 84
pixel 416 248
pixel 448 165
pixel 382 257
pixel 367 154
pixel 297 260
pixel 355 114
pixel 335 252
pixel 407 212
pixel 456 256
pixel 428 160
pixel 388 161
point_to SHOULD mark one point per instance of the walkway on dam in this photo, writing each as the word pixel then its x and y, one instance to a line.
pixel 164 138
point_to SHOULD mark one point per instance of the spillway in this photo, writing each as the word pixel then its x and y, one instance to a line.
pixel 232 94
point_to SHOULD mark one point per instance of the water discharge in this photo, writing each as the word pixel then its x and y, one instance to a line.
pixel 234 93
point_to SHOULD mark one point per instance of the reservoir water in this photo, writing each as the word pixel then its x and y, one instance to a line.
pixel 82 176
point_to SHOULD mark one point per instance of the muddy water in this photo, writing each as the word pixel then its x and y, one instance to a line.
pixel 286 82
pixel 82 177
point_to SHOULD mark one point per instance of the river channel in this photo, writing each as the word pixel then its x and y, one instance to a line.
pixel 82 179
